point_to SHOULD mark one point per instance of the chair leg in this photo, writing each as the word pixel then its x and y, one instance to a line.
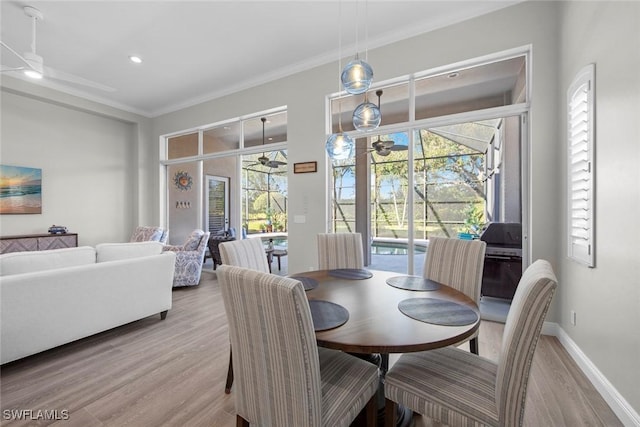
pixel 390 413
pixel 241 422
pixel 227 387
pixel 473 345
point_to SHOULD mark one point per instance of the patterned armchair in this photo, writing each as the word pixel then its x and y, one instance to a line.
pixel 189 259
pixel 147 234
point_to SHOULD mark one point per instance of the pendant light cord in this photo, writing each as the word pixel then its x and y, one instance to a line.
pixel 339 65
pixel 366 31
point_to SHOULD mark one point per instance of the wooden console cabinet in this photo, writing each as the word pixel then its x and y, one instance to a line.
pixel 37 242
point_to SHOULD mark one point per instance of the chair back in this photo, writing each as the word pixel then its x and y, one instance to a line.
pixel 201 248
pixel 275 355
pixel 247 253
pixel 340 250
pixel 149 234
pixel 521 332
pixel 456 263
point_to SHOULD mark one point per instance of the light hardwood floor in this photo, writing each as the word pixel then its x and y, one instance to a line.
pixel 172 372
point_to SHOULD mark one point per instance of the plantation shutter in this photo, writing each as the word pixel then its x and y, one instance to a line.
pixel 580 126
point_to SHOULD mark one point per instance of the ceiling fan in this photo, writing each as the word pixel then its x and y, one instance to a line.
pixel 264 160
pixel 34 67
pixel 384 148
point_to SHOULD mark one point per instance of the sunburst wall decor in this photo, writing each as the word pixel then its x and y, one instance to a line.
pixel 183 181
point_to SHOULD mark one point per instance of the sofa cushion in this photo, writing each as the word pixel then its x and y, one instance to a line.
pixel 28 262
pixel 117 251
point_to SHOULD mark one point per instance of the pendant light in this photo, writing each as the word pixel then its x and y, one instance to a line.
pixel 339 146
pixel 366 116
pixel 357 74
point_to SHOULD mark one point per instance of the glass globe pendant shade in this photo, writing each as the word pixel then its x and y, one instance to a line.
pixel 356 76
pixel 339 146
pixel 366 116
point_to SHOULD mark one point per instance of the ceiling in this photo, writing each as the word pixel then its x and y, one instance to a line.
pixel 195 51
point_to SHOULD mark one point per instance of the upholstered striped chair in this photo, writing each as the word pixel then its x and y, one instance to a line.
pixel 457 388
pixel 246 253
pixel 459 264
pixel 340 250
pixel 284 378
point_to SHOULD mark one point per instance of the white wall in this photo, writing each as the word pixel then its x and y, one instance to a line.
pixel 607 297
pixel 88 161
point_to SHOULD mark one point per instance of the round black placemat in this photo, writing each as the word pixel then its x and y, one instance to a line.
pixel 351 273
pixel 308 282
pixel 413 283
pixel 327 315
pixel 438 311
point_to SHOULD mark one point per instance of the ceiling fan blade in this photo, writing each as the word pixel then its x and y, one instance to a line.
pixel 277 162
pixel 6 70
pixel 398 147
pixel 17 55
pixel 71 78
pixel 388 143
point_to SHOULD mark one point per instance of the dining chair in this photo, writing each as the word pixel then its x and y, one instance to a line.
pixel 459 264
pixel 456 388
pixel 246 253
pixel 340 250
pixel 285 378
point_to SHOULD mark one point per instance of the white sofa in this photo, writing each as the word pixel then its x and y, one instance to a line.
pixel 50 298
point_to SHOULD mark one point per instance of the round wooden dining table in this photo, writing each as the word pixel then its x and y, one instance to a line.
pixel 375 323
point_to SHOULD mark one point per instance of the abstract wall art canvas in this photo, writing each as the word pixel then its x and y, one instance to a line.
pixel 20 190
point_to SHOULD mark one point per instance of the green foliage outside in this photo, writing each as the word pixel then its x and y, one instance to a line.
pixel 264 199
pixel 448 192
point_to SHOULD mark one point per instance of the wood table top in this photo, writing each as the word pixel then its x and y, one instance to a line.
pixel 375 323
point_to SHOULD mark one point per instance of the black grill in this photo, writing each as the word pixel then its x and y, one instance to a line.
pixel 502 260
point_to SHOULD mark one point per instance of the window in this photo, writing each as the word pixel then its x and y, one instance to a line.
pixel 182 146
pixel 456 159
pixel 235 174
pixel 580 168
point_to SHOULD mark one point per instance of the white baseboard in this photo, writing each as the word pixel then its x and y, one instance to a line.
pixel 627 415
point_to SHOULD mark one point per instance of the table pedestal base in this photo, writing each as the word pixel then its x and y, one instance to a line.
pixel 404 415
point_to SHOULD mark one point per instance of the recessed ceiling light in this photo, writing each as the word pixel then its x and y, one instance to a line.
pixel 135 59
